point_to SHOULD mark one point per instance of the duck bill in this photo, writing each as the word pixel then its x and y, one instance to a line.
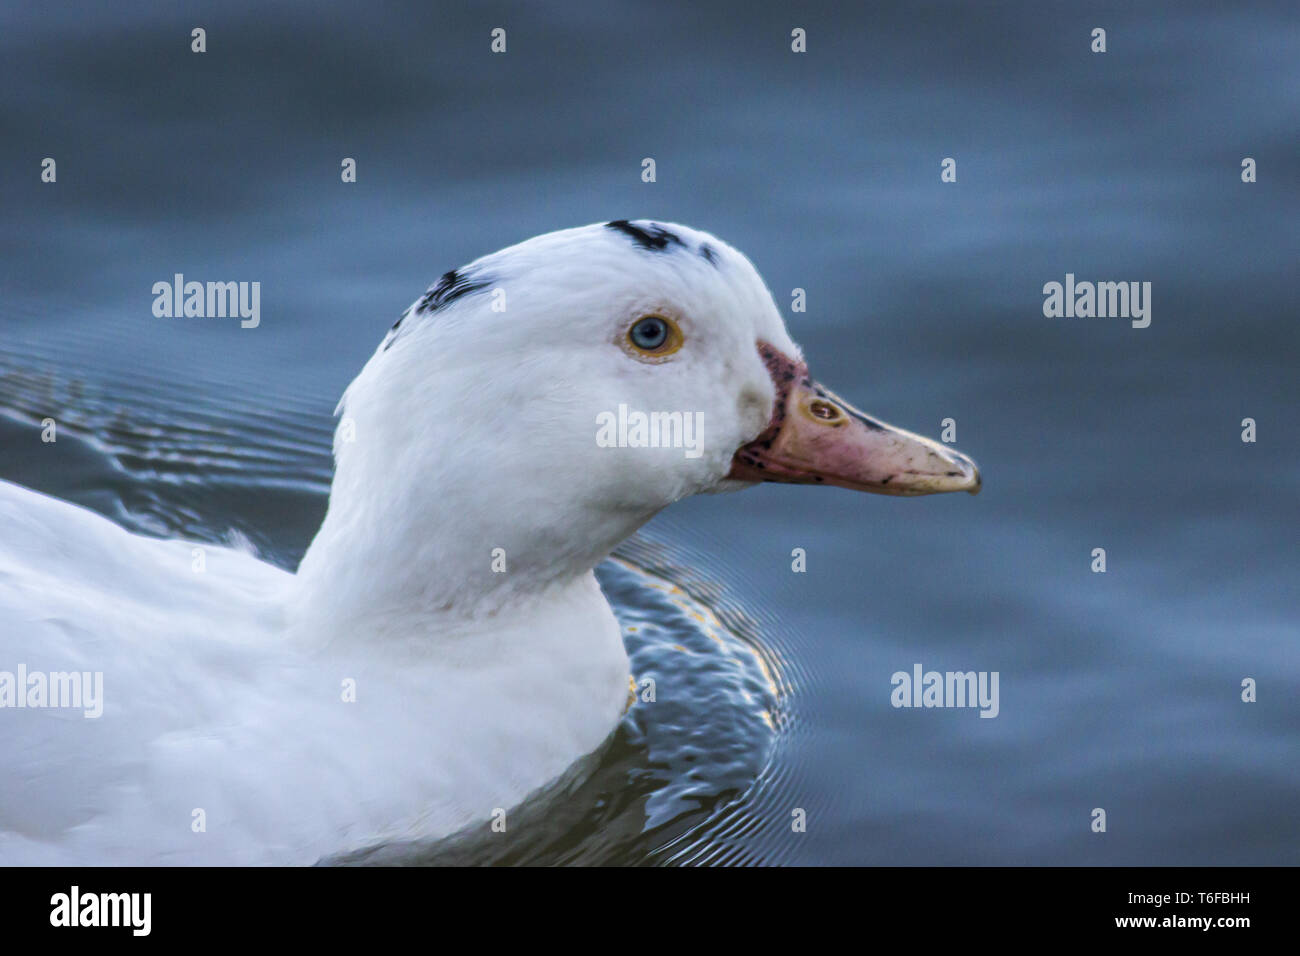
pixel 815 437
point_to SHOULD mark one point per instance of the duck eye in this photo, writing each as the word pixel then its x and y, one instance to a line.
pixel 652 338
pixel 649 334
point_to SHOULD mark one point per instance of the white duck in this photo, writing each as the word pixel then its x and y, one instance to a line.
pixel 229 733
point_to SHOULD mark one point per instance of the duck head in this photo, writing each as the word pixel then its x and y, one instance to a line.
pixel 551 397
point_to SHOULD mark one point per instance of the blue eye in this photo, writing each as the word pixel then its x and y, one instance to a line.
pixel 649 333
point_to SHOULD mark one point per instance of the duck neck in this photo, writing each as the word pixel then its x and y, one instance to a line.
pixel 419 562
pixel 446 509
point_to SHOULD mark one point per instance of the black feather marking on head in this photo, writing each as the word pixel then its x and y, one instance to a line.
pixel 708 255
pixel 448 289
pixel 650 236
pixel 394 332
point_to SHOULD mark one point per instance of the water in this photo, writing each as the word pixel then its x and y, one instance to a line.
pixel 924 302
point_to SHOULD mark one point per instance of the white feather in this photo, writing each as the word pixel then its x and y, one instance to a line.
pixel 471 430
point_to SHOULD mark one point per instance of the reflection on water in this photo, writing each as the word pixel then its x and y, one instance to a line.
pixel 678 776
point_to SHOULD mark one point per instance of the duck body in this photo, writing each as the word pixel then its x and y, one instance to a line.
pixel 221 740
pixel 443 650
